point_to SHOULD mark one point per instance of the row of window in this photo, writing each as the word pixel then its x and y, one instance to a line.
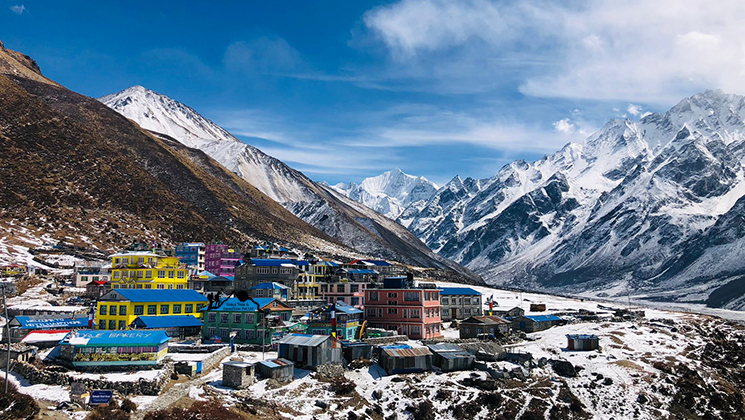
pixel 151 309
pixel 148 274
pixel 341 288
pixel 246 334
pixel 412 296
pixel 462 301
pixel 405 312
pixel 274 270
pixel 236 318
pixel 118 349
pixel 354 301
pixel 132 260
pixel 146 286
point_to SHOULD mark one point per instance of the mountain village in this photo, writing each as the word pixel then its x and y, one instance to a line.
pixel 157 326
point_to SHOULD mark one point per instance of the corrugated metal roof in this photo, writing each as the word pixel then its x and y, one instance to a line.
pixel 167 321
pixel 445 347
pixel 458 291
pixel 582 336
pixel 410 352
pixel 488 320
pixel 304 339
pixel 158 295
pixel 362 271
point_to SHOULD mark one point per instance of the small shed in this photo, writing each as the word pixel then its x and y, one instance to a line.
pixel 279 369
pixel 533 323
pixel 474 326
pixel 356 350
pixel 405 359
pixel 509 313
pixel 238 375
pixel 450 357
pixel 310 351
pixel 583 342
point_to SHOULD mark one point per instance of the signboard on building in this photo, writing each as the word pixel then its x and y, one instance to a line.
pixel 101 396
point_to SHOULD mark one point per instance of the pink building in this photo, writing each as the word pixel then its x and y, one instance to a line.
pixel 408 310
pixel 221 259
pixel 349 292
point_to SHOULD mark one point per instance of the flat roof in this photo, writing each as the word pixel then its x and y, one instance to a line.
pixel 106 338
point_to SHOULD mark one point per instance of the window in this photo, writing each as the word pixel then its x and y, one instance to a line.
pixel 224 332
pixel 416 313
pixel 148 286
pixel 224 318
pixel 121 325
pixel 84 278
pixel 116 274
pixel 392 295
pixel 112 310
pixel 171 274
pixel 140 260
pixel 116 260
pixel 149 274
pixel 102 325
pixel 179 286
pixel 211 331
pixel 406 313
pixel 152 309
pixel 415 329
pixel 200 306
pixel 445 301
pixel 170 286
pixel 102 310
pixel 250 318
pixel 177 309
pixel 392 303
pixel 189 308
pixel 140 274
pixel 211 317
pixel 262 270
pixel 236 318
pixel 354 288
pixel 370 311
pixel 112 324
pixel 445 312
pixel 161 274
pixel 139 309
pixel 355 301
pixel 392 311
pixel 249 334
pixel 466 301
pixel 161 286
pixel 411 296
pixel 181 274
pixel 339 288
pixel 373 296
pixel 164 309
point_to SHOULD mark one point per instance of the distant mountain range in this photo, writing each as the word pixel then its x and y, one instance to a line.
pixel 346 220
pixel 390 192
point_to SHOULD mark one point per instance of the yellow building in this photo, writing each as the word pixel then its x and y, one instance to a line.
pixel 117 309
pixel 307 286
pixel 147 270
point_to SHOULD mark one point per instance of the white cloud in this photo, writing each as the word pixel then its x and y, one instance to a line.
pixel 18 9
pixel 564 126
pixel 262 55
pixel 634 110
pixel 637 50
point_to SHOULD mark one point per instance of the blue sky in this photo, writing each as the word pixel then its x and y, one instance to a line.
pixel 436 88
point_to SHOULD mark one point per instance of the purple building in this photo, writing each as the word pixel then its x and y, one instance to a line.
pixel 221 259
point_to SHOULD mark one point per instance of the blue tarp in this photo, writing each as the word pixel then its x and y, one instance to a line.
pixel 167 321
pixel 541 318
pixel 362 271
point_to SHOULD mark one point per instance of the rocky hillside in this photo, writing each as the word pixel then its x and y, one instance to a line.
pixel 73 169
pixel 653 207
pixel 340 217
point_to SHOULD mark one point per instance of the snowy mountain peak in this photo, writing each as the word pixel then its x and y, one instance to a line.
pixel 390 192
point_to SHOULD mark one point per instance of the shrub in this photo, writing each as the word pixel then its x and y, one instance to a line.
pixel 199 410
pixel 15 405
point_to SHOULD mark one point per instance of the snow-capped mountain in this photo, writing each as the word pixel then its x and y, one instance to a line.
pixel 390 192
pixel 654 206
pixel 351 223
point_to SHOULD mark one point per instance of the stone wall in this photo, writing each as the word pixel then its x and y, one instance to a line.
pixel 58 377
pixel 217 354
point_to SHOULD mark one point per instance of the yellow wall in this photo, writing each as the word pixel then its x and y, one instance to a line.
pixel 130 315
pixel 147 271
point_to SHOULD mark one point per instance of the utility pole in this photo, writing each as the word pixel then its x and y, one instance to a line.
pixel 7 336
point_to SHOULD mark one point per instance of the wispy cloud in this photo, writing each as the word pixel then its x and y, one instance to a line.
pixel 650 52
pixel 18 9
pixel 266 55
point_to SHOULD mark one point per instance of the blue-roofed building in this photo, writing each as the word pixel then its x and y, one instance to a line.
pixel 191 254
pixel 180 326
pixel 118 308
pixel 348 321
pixel 246 319
pixel 460 303
pixel 271 290
pixel 273 251
pixel 381 266
pixel 89 348
pixel 533 323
